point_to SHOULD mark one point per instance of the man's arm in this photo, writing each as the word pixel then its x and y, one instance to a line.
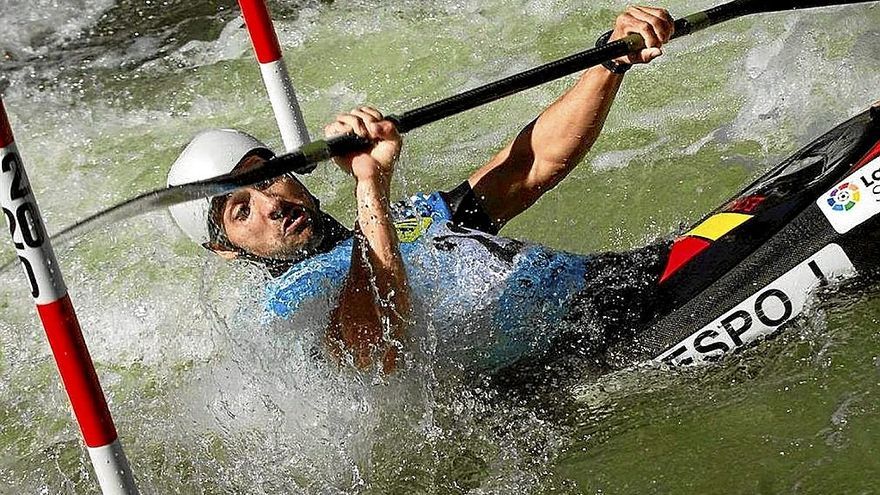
pixel 373 307
pixel 547 149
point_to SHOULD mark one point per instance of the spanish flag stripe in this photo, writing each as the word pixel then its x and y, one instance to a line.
pixel 718 225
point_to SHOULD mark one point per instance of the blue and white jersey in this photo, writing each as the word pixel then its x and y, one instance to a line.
pixel 490 301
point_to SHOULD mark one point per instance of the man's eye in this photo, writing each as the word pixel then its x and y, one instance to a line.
pixel 266 184
pixel 242 212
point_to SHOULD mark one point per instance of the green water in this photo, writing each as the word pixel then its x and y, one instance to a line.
pixel 104 94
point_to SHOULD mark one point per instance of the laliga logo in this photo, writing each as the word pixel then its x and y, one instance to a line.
pixel 844 197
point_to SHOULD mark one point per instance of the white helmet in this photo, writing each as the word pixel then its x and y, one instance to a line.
pixel 211 153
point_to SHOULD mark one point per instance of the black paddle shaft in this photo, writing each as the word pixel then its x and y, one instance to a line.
pixel 580 61
pixel 531 78
pixel 413 119
pixel 305 159
pixel 740 8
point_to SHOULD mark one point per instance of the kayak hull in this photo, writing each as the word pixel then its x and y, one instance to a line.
pixel 750 267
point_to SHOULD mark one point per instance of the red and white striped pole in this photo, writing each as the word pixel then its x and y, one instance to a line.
pixel 59 320
pixel 281 93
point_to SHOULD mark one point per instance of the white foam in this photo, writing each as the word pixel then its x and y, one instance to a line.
pixel 28 24
pixel 229 397
pixel 234 42
pixel 792 90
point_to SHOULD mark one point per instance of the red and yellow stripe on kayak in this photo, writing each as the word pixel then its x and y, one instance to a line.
pixel 698 239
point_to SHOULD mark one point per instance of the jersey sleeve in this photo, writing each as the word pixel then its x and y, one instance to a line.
pixel 315 277
pixel 466 210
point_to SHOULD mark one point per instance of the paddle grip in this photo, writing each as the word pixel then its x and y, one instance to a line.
pixel 304 160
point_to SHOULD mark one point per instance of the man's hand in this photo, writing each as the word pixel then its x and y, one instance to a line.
pixel 654 24
pixel 377 163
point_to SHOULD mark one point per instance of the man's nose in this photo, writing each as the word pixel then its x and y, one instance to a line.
pixel 270 206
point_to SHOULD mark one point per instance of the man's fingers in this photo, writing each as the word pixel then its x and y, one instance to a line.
pixel 386 130
pixel 649 54
pixel 366 122
pixel 640 22
pixel 376 127
pixel 335 129
pixel 656 12
pixel 355 123
pixel 366 117
pixel 371 112
pixel 653 24
pixel 660 20
pixel 374 131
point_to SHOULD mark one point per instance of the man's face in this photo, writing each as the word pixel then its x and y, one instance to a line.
pixel 277 220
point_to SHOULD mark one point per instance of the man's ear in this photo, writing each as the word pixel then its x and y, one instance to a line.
pixel 222 251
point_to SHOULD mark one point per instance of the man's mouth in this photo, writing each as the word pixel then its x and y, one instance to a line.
pixel 295 220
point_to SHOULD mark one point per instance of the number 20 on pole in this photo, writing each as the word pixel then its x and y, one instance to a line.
pixel 24 220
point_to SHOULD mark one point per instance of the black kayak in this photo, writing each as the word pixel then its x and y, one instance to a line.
pixel 750 266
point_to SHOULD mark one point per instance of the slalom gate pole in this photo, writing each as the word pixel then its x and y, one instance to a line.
pixel 59 320
pixel 282 95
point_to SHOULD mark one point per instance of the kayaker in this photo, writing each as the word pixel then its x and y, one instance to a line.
pixel 437 254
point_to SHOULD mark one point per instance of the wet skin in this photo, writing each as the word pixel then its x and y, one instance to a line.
pixel 278 219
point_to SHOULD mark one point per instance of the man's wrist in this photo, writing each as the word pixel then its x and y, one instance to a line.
pixel 612 66
pixel 374 179
pixel 376 185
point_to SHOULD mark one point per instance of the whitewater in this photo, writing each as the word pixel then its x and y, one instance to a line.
pixel 103 94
